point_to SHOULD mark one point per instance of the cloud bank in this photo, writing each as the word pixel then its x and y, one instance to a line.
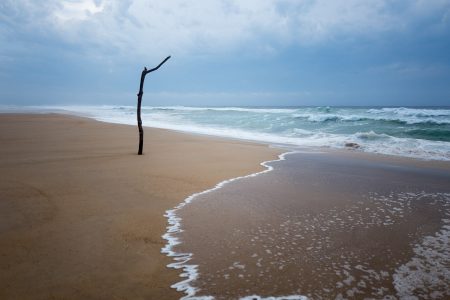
pixel 150 28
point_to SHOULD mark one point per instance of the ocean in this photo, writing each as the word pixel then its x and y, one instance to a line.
pixel 420 132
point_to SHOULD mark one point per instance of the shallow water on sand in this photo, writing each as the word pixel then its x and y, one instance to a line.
pixel 324 226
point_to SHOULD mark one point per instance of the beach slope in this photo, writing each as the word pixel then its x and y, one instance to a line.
pixel 81 215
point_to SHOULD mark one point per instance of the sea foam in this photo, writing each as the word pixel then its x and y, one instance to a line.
pixel 181 260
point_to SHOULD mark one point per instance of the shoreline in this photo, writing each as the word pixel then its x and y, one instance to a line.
pixel 181 259
pixel 66 231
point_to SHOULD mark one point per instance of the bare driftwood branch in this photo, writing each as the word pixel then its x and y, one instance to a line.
pixel 141 92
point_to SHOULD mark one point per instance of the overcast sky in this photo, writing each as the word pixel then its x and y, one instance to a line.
pixel 247 52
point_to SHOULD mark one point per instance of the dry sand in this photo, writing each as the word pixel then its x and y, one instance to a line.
pixel 81 215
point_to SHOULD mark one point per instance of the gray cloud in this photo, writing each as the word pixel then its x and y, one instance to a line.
pixel 143 28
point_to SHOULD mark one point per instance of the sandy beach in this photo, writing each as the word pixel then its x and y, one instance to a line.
pixel 81 215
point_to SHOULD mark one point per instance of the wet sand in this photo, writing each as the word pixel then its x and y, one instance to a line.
pixel 81 215
pixel 337 224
